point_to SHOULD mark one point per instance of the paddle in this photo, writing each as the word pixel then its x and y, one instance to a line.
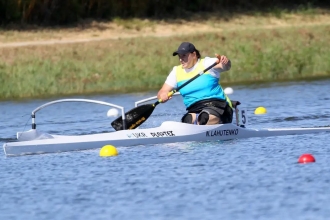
pixel 140 114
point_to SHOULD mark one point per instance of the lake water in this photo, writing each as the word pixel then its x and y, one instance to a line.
pixel 257 178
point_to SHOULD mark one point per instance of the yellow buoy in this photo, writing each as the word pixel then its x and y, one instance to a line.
pixel 260 111
pixel 108 151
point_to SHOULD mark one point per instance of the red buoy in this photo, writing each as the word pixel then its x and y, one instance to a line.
pixel 306 158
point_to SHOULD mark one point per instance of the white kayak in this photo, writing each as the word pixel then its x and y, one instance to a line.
pixel 36 142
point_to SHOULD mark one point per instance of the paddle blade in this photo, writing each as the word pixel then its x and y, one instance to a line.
pixel 134 117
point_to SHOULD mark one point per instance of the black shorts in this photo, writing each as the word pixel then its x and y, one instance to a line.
pixel 215 107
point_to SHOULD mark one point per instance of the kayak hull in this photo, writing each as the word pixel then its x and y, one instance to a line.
pixel 35 142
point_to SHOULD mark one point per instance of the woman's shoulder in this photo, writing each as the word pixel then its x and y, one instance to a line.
pixel 208 61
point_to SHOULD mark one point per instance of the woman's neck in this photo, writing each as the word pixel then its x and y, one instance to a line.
pixel 193 64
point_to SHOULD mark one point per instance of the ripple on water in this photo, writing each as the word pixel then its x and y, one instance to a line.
pixel 257 178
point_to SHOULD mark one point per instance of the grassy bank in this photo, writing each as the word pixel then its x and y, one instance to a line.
pixel 142 63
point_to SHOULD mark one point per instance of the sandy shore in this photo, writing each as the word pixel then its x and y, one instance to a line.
pixel 98 31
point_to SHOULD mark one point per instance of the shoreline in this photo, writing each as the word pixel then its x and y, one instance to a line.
pixel 274 51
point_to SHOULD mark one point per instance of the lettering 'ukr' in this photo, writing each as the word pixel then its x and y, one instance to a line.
pixel 222 132
pixel 139 135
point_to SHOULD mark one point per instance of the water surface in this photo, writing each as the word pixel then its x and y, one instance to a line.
pixel 257 178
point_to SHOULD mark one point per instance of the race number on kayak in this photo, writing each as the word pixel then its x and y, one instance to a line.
pixel 242 117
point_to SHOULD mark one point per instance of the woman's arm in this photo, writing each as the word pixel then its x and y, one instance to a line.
pixel 163 92
pixel 225 63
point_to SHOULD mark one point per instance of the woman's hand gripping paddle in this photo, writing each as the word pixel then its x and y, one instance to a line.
pixel 140 114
